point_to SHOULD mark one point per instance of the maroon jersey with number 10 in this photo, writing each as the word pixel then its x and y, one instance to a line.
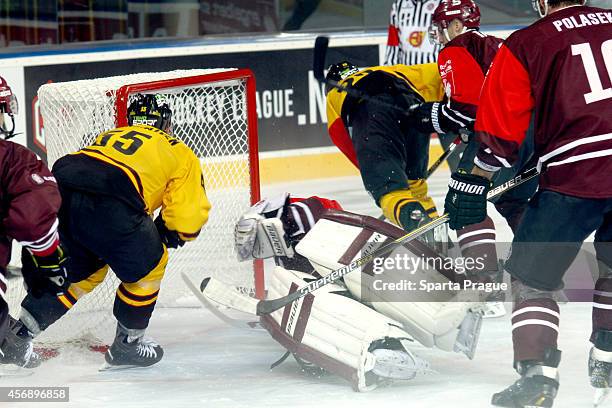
pixel 559 69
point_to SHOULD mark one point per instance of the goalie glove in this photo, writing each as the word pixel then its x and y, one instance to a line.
pixel 260 234
pixel 45 274
pixel 466 200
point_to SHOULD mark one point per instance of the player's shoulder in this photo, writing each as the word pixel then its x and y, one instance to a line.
pixel 558 24
pixel 151 132
pixel 11 151
pixel 473 38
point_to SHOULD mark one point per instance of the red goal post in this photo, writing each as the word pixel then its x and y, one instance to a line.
pixel 246 74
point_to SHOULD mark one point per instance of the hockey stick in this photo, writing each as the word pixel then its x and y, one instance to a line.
pixel 228 296
pixel 447 153
pixel 265 307
pixel 318 69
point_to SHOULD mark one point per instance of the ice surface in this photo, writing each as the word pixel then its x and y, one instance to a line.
pixel 209 364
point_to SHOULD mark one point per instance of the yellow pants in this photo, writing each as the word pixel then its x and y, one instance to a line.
pixel 134 302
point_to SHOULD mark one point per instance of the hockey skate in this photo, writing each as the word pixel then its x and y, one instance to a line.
pixel 391 360
pixel 131 350
pixel 537 386
pixel 17 348
pixel 600 373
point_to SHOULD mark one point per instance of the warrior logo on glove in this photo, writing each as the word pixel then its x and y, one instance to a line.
pixel 466 201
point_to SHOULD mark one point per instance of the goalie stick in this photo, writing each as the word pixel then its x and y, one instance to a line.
pixel 265 307
pixel 222 296
pixel 230 297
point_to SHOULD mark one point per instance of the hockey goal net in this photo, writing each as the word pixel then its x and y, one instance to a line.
pixel 214 113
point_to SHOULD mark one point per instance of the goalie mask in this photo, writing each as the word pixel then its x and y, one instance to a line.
pixel 8 108
pixel 151 110
pixel 447 11
pixel 338 72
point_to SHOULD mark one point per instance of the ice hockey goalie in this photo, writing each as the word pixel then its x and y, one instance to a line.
pixel 346 328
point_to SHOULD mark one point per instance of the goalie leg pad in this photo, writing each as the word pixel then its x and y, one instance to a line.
pixel 333 331
pixel 432 318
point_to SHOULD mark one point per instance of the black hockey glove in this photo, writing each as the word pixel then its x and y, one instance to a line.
pixel 45 274
pixel 170 238
pixel 466 200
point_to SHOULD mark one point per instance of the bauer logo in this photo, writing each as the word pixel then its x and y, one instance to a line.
pixel 274 240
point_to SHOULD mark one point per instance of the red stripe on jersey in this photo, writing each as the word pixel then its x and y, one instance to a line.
pixel 340 136
pixel 392 37
pixel 506 103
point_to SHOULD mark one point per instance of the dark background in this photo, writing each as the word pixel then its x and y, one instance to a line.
pixel 274 70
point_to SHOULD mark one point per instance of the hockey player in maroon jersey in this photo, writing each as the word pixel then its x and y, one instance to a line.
pixel 557 69
pixel 463 63
pixel 30 200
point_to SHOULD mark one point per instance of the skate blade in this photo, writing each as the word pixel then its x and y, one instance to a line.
pixel 469 333
pixel 493 310
pixel 601 394
pixel 394 365
pixel 110 367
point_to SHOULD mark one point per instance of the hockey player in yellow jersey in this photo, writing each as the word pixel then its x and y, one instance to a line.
pixel 382 141
pixel 110 190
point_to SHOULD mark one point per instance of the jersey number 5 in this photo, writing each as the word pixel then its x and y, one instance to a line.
pixel 598 93
pixel 131 141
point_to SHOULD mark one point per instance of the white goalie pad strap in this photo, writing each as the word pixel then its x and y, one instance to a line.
pixel 431 317
pixel 327 329
pixel 271 240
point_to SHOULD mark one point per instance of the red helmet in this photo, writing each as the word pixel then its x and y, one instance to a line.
pixel 8 105
pixel 465 11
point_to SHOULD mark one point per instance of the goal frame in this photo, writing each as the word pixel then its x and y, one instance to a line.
pixel 121 108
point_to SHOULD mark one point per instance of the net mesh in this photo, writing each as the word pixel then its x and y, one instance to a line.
pixel 211 118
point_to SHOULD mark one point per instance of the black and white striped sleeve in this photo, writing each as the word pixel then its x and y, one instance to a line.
pixel 441 118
